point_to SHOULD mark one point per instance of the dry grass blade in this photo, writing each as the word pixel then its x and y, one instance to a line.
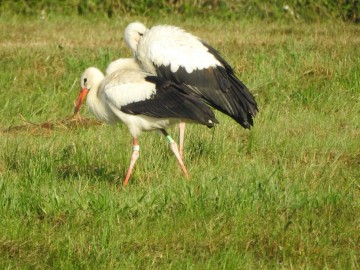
pixel 66 123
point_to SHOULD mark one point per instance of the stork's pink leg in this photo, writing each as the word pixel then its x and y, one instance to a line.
pixel 175 149
pixel 181 143
pixel 134 157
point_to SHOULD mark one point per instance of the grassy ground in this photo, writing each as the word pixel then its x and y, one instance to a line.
pixel 283 195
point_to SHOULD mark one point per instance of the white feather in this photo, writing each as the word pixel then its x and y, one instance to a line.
pixel 122 63
pixel 169 46
pixel 139 123
pixel 120 94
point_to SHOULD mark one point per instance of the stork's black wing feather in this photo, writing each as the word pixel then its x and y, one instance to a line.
pixel 228 75
pixel 172 101
pixel 218 86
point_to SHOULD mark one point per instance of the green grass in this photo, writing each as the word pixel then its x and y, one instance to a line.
pixel 283 195
pixel 298 10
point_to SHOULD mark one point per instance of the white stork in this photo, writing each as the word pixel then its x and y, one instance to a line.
pixel 173 54
pixel 143 102
pixel 133 64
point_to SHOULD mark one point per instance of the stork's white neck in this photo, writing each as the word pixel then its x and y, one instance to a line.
pixel 133 33
pixel 93 92
pixel 94 99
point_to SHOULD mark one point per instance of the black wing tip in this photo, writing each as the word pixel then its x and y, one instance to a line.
pixel 211 122
pixel 248 123
pixel 245 125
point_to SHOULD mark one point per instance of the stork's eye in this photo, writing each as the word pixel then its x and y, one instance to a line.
pixel 141 34
pixel 85 80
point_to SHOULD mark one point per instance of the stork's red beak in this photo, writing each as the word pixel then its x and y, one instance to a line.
pixel 80 100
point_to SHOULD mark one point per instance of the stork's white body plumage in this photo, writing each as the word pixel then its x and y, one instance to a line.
pixel 142 102
pixel 172 53
pixel 120 88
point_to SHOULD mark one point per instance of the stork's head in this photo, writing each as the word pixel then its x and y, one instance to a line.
pixel 133 33
pixel 90 79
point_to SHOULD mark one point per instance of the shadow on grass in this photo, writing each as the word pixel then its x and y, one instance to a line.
pixel 95 172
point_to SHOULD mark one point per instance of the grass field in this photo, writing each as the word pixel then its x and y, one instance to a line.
pixel 285 194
